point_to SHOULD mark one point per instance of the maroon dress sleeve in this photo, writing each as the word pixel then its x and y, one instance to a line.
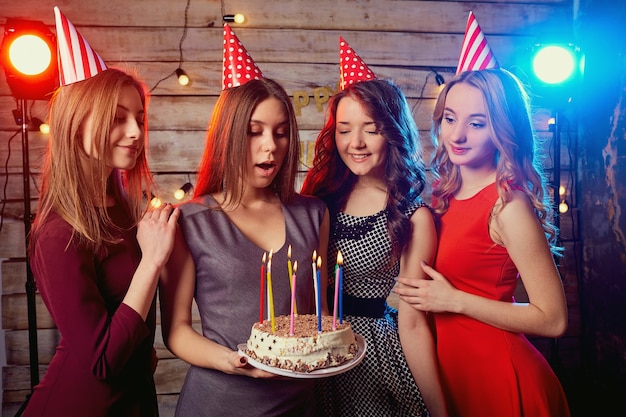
pixel 83 293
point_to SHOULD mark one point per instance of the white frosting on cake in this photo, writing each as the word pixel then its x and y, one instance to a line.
pixel 305 351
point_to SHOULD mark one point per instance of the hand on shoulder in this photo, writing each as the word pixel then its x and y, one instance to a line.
pixel 156 231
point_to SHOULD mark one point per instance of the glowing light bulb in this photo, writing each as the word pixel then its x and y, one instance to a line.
pixel 183 78
pixel 554 64
pixel 238 18
pixel 156 202
pixel 30 54
pixel 44 128
pixel 182 191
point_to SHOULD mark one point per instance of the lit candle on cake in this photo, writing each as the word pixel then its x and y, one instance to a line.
pixel 318 280
pixel 336 299
pixel 340 270
pixel 295 308
pixel 293 297
pixel 267 298
pixel 317 312
pixel 270 295
pixel 262 289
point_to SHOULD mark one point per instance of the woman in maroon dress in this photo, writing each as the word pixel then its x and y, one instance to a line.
pixel 96 254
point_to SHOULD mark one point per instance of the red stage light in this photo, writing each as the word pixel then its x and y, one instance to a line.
pixel 28 55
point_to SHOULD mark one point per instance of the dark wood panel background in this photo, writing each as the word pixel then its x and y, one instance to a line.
pixel 294 42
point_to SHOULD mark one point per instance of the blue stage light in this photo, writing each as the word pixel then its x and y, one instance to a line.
pixel 553 64
pixel 554 72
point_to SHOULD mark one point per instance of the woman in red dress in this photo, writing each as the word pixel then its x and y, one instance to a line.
pixel 494 226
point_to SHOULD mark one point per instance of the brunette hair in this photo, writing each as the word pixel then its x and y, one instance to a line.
pixel 332 181
pixel 518 164
pixel 224 159
pixel 77 194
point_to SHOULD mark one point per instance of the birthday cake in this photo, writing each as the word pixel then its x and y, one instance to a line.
pixel 307 349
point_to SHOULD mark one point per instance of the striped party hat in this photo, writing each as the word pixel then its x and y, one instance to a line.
pixel 239 67
pixel 475 53
pixel 77 61
pixel 351 66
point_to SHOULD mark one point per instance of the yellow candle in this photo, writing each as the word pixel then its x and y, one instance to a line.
pixel 270 294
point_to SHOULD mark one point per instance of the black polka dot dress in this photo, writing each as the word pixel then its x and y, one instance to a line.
pixel 381 385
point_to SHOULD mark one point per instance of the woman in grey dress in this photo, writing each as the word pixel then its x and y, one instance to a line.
pixel 244 205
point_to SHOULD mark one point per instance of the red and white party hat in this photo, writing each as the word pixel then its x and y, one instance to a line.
pixel 352 67
pixel 239 67
pixel 475 53
pixel 77 61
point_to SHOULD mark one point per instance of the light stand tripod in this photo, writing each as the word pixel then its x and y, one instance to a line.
pixel 29 58
pixel 556 173
pixel 31 288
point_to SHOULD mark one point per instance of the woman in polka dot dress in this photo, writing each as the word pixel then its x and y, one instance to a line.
pixel 369 172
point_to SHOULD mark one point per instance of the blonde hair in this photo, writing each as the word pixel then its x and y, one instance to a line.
pixel 518 164
pixel 67 186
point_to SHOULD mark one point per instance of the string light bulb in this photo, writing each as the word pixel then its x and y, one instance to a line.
pixel 238 18
pixel 441 82
pixel 563 206
pixel 44 128
pixel 439 79
pixel 182 191
pixel 40 125
pixel 155 202
pixel 183 78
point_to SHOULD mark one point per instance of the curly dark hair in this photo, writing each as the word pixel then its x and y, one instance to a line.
pixel 405 177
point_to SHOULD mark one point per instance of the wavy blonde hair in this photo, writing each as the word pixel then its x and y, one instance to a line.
pixel 518 164
pixel 66 185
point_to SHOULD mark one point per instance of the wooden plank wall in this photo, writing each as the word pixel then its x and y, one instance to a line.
pixel 294 42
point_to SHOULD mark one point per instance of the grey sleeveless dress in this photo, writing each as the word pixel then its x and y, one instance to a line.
pixel 227 294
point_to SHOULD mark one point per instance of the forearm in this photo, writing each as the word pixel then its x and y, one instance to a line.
pixel 419 350
pixel 142 288
pixel 515 317
pixel 192 347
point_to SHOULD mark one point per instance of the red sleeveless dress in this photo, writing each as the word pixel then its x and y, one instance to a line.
pixel 486 371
